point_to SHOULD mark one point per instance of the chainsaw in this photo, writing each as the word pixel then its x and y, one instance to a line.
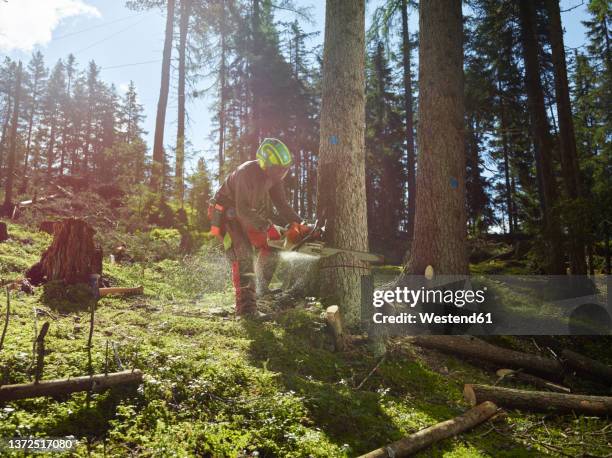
pixel 313 244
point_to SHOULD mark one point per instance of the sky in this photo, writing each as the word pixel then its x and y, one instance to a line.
pixel 128 46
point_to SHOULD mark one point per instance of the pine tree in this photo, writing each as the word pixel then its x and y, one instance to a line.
pixel 440 220
pixel 10 169
pixel 341 178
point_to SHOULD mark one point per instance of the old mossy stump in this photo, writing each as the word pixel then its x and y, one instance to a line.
pixel 3 232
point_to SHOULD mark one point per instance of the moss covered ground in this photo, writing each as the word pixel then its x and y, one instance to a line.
pixel 215 386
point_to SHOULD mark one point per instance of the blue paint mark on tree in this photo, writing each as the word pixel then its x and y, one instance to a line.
pixel 454 183
pixel 333 139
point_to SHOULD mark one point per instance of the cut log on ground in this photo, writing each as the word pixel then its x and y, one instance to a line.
pixel 440 431
pixel 59 387
pixel 121 291
pixel 26 203
pixel 334 320
pixel 538 401
pixel 587 366
pixel 72 256
pixel 532 380
pixel 477 349
pixel 3 232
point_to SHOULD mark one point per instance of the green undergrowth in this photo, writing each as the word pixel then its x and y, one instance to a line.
pixel 215 386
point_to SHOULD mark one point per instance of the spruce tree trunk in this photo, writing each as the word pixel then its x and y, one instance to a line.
pixel 410 152
pixel 541 140
pixel 180 130
pixel 10 166
pixel 5 127
pixel 160 120
pixel 440 220
pixel 341 171
pixel 222 92
pixel 567 138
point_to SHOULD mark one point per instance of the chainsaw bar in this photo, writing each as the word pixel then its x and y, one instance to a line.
pixel 320 250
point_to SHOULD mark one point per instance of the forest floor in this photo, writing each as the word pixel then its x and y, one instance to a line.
pixel 215 386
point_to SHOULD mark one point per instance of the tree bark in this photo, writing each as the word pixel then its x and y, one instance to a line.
pixel 587 366
pixel 410 151
pixel 567 138
pixel 541 140
pixel 222 91
pixel 538 401
pixel 180 130
pixel 72 256
pixel 341 178
pixel 440 220
pixel 10 167
pixel 532 380
pixel 3 232
pixel 160 120
pixel 440 431
pixel 471 347
pixel 60 387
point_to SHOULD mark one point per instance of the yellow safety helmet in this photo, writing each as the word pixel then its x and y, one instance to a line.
pixel 273 152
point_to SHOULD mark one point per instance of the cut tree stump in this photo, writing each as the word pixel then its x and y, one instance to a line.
pixel 440 431
pixel 47 226
pixel 72 256
pixel 59 387
pixel 587 366
pixel 538 401
pixel 532 380
pixel 121 291
pixel 3 232
pixel 334 320
pixel 477 349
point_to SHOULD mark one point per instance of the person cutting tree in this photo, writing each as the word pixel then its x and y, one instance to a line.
pixel 241 215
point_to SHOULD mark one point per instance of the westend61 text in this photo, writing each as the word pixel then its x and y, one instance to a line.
pixel 432 318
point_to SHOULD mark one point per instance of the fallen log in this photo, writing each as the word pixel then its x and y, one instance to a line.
pixel 59 387
pixel 25 203
pixel 538 401
pixel 334 320
pixel 532 380
pixel 477 349
pixel 121 291
pixel 440 431
pixel 587 366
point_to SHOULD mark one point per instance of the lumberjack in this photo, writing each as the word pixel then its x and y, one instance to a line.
pixel 241 214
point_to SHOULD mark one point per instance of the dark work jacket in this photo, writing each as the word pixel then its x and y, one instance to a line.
pixel 252 193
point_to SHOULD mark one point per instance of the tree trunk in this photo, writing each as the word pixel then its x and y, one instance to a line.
pixel 541 140
pixel 3 232
pixel 471 347
pixel 532 380
pixel 567 138
pixel 587 366
pixel 61 387
pixel 440 431
pixel 538 401
pixel 341 171
pixel 222 92
pixel 410 151
pixel 440 220
pixel 160 120
pixel 72 256
pixel 5 126
pixel 10 167
pixel 179 182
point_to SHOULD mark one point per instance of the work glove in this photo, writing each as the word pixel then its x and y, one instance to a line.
pixel 273 233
